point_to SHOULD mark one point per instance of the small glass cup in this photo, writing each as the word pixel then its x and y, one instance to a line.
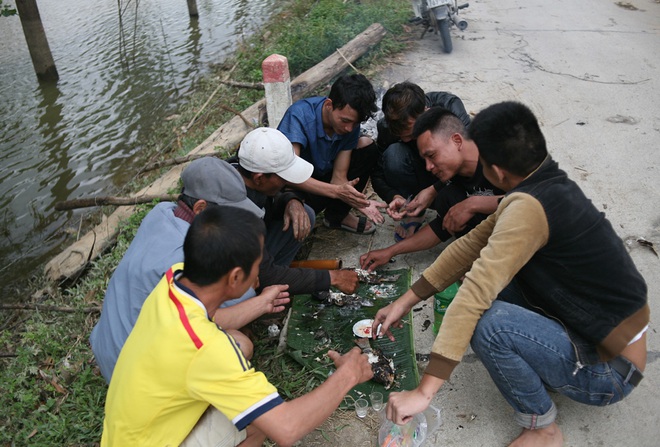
pixel 361 407
pixel 376 400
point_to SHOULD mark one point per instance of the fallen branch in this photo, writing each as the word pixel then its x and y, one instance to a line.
pixel 86 202
pixel 49 308
pixel 281 346
pixel 238 114
pixel 176 161
pixel 347 61
pixel 252 85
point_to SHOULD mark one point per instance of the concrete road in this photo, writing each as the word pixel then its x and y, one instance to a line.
pixel 591 73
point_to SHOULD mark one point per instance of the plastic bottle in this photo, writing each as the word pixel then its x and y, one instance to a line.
pixel 411 434
pixel 441 301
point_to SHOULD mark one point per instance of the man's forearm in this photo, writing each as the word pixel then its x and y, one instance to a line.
pixel 424 239
pixel 318 188
pixel 238 315
pixel 302 415
pixel 483 204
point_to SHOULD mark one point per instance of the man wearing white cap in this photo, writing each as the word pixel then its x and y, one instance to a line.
pixel 267 161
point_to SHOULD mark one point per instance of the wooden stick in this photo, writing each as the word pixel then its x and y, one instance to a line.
pixel 50 308
pixel 238 114
pixel 252 85
pixel 347 61
pixel 177 161
pixel 281 346
pixel 86 202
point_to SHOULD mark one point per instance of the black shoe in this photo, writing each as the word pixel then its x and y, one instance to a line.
pixel 415 20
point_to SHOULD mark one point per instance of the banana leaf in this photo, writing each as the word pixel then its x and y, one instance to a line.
pixel 316 327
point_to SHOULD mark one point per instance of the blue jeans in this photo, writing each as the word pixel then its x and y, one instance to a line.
pixel 526 354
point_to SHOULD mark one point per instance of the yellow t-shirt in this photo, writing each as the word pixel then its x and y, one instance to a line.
pixel 174 364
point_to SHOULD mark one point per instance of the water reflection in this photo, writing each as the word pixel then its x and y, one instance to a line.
pixel 78 137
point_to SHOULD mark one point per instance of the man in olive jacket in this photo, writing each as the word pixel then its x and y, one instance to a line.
pixel 551 299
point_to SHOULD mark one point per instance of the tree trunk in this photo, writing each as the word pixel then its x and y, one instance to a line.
pixel 192 8
pixel 35 36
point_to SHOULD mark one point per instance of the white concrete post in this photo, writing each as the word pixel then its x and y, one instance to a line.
pixel 277 83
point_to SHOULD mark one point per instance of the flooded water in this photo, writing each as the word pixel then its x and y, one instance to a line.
pixel 78 137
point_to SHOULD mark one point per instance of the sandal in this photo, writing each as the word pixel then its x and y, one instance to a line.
pixel 361 226
pixel 407 225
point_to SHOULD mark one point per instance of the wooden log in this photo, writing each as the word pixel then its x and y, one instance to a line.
pixel 74 259
pixel 250 85
pixel 86 202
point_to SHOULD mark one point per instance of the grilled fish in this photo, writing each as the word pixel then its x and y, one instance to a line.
pixel 374 277
pixel 382 367
pixel 341 299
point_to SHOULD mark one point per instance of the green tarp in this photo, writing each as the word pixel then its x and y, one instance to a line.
pixel 315 327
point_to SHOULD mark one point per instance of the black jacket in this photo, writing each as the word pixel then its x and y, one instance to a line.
pixel 447 100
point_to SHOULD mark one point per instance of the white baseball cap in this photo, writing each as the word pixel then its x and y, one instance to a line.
pixel 268 151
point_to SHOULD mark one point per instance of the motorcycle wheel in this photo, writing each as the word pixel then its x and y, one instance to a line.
pixel 443 26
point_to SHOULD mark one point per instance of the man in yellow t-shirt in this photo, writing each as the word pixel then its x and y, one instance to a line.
pixel 177 363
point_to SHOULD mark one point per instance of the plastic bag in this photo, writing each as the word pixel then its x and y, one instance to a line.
pixel 411 434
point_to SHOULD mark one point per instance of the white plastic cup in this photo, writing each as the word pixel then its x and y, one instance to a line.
pixel 361 407
pixel 376 400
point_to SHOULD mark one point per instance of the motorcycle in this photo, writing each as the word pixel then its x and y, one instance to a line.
pixel 439 15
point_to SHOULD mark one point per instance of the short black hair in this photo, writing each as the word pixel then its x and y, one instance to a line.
pixel 356 91
pixel 402 102
pixel 508 135
pixel 219 239
pixel 438 120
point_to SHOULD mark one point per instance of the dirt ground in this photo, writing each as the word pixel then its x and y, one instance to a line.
pixel 590 72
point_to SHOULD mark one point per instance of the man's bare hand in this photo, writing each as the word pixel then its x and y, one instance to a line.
pixel 389 317
pixel 374 259
pixel 347 193
pixel 422 200
pixel 353 361
pixel 273 298
pixel 402 406
pixel 397 208
pixel 296 216
pixel 457 217
pixel 345 280
pixel 373 211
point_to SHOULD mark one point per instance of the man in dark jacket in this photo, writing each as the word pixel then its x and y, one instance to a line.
pixel 463 198
pixel 551 298
pixel 400 172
